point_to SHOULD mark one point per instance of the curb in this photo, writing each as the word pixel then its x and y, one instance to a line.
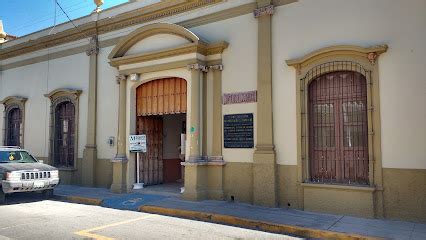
pixel 252 224
pixel 81 200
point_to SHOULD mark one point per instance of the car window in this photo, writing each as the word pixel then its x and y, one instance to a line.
pixel 16 157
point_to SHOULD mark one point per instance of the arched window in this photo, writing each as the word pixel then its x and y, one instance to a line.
pixel 338 129
pixel 14 126
pixel 64 144
pixel 63 128
pixel 14 111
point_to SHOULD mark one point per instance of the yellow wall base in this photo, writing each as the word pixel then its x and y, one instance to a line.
pixel 355 201
pixel 203 181
pixel 238 182
pixel 404 193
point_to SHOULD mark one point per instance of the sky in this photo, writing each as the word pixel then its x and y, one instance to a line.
pixel 22 17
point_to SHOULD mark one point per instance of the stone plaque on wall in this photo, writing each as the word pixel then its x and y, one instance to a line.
pixel 238 130
pixel 239 97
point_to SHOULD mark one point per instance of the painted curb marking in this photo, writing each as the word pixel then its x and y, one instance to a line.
pixel 82 200
pixel 88 232
pixel 224 219
pixel 253 224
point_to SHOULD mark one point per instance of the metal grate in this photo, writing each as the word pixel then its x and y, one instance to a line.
pixel 35 175
pixel 64 135
pixel 338 124
pixel 13 131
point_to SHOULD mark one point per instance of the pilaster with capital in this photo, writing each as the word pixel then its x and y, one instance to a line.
pixel 119 184
pixel 264 162
pixel 217 111
pixel 195 175
pixel 90 149
pixel 195 127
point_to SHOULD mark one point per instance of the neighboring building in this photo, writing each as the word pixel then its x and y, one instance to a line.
pixel 315 105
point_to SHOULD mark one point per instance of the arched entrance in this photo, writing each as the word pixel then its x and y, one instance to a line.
pixel 161 115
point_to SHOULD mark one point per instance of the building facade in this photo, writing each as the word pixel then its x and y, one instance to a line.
pixel 314 105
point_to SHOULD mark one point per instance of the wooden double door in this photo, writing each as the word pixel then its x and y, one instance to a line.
pixel 155 99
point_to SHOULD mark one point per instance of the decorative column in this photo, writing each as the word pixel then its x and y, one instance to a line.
pixel 195 173
pixel 194 130
pixel 216 163
pixel 264 165
pixel 217 112
pixel 90 152
pixel 119 183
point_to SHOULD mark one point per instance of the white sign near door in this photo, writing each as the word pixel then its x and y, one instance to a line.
pixel 137 143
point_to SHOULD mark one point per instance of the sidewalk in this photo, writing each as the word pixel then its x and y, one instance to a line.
pixel 279 220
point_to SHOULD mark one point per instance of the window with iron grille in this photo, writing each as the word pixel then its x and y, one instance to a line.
pixel 337 127
pixel 63 155
pixel 63 128
pixel 13 120
pixel 13 126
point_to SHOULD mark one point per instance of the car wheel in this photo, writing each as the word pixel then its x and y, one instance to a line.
pixel 2 196
pixel 47 193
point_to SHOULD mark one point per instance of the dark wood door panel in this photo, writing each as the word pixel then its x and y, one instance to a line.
pixel 151 162
pixel 338 143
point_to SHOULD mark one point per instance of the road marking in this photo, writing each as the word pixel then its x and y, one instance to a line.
pixel 87 232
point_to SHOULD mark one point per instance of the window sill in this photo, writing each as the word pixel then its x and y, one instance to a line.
pixel 339 187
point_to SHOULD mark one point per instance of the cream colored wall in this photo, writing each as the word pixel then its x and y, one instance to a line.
pixel 107 106
pixel 240 68
pixel 73 72
pixel 155 43
pixel 308 25
pixel 32 82
pixel 36 107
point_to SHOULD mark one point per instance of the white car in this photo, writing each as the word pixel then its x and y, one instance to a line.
pixel 21 172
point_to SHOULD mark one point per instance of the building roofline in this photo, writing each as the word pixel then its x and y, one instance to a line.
pixel 105 24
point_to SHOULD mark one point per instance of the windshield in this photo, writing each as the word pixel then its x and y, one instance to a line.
pixel 16 157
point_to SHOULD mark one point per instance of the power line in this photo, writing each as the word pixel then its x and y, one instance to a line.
pixel 50 16
pixel 59 5
pixel 54 20
pixel 32 23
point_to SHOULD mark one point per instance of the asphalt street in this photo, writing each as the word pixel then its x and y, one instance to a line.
pixel 28 216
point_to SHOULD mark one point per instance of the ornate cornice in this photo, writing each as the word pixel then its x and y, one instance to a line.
pixel 93 46
pixel 200 47
pixel 13 99
pixel 197 66
pixel 61 92
pixel 215 48
pixel 216 67
pixel 371 53
pixel 372 56
pixel 262 11
pixel 138 16
pixel 120 77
